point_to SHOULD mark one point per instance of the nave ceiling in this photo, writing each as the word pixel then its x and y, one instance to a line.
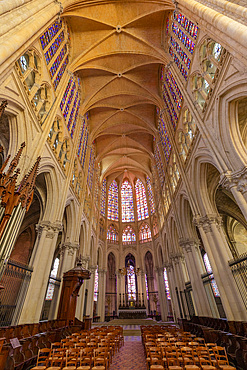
pixel 116 49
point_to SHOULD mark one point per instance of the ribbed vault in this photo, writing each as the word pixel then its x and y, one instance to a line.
pixel 116 48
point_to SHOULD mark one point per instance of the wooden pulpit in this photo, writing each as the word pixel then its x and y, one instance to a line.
pixel 72 282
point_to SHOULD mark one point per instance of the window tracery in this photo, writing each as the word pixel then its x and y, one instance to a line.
pixel 112 233
pixel 127 202
pixel 41 101
pixel 91 168
pixel 54 42
pixel 186 136
pixel 211 57
pixel 145 233
pixel 52 280
pixel 96 285
pixel 174 173
pixel 172 95
pixel 167 285
pixel 83 141
pixel 103 198
pixel 159 163
pixel 150 196
pixel 64 154
pixel 131 282
pixel 183 35
pixel 113 201
pixel 70 104
pixel 29 68
pixel 141 201
pixel 164 137
pixel 128 235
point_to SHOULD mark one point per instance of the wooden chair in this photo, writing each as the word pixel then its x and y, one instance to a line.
pixel 58 359
pixel 72 356
pixel 85 361
pixel 42 359
pixel 222 359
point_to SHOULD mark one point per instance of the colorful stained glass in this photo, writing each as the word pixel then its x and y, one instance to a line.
pixel 112 234
pixel 54 47
pixel 51 285
pixel 58 61
pixel 189 26
pixel 84 149
pixel 146 284
pixel 128 235
pixel 127 202
pixel 145 233
pixel 188 43
pixel 103 198
pixel 131 283
pixel 209 271
pixel 61 71
pixel 164 138
pixel 150 196
pixel 166 285
pixel 96 285
pixel 159 164
pixel 91 169
pixel 75 118
pixel 183 56
pixel 65 95
pixel 113 201
pixel 49 34
pixel 71 95
pixel 141 200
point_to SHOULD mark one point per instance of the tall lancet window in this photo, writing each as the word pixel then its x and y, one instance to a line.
pixel 127 202
pixel 113 201
pixel 103 198
pixel 150 195
pixel 141 201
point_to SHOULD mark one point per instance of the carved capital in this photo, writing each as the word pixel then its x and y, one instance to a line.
pixel 50 228
pixel 237 179
pixel 92 269
pixel 168 266
pixel 188 244
pixel 176 258
pixel 85 260
pixel 207 221
pixel 102 271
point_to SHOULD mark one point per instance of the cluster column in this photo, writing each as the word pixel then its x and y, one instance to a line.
pixel 162 292
pixel 219 254
pixel 41 260
pixel 190 250
pixel 101 296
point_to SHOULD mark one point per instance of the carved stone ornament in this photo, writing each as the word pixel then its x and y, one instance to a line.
pixel 50 228
pixel 207 221
pixel 238 179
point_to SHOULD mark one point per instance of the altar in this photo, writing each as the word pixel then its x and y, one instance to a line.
pixel 132 313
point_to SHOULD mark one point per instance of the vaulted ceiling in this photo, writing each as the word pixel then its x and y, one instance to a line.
pixel 117 50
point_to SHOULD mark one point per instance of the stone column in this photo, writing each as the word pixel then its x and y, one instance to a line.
pixel 219 254
pixel 41 260
pixel 201 302
pixel 142 275
pixel 101 296
pixel 81 298
pixel 162 293
pixel 180 282
pixel 90 287
pixel 68 253
pixel 171 280
pixel 237 184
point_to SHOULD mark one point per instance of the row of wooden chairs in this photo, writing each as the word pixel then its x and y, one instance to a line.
pixel 83 351
pixel 173 349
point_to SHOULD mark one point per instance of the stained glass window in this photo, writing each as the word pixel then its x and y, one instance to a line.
pixel 52 281
pixel 187 25
pixel 159 164
pixel 112 234
pixel 128 235
pixel 49 34
pixel 209 271
pixel 113 201
pixel 164 138
pixel 103 198
pixel 145 233
pixel 150 196
pixel 141 200
pixel 131 281
pixel 96 285
pixel 91 169
pixel 172 95
pixel 166 285
pixel 146 284
pixel 127 202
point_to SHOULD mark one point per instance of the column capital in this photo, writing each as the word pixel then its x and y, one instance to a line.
pixel 168 266
pixel 176 257
pixel 207 221
pixel 159 270
pixel 71 248
pixel 50 228
pixel 188 244
pixel 102 271
pixel 92 269
pixel 85 260
pixel 237 179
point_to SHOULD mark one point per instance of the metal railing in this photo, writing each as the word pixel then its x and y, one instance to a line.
pixel 239 271
pixel 16 279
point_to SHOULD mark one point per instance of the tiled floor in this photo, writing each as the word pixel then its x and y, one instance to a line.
pixel 131 355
